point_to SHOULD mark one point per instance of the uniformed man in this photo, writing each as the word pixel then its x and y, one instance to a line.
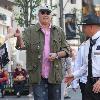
pixel 91 28
pixel 45 44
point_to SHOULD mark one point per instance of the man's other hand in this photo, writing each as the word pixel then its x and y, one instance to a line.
pixel 68 79
pixel 96 87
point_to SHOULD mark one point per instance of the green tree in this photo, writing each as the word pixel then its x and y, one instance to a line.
pixel 27 9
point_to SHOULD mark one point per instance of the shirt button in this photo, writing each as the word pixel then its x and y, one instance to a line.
pixel 39 56
pixel 57 66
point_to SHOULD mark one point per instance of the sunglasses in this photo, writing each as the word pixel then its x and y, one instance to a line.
pixel 18 65
pixel 45 12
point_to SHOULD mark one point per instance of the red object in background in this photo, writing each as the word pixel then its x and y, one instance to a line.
pixel 17 31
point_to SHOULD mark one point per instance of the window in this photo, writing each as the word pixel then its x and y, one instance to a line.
pixel 73 1
pixel 3 17
pixel 70 26
pixel 95 2
pixel 91 5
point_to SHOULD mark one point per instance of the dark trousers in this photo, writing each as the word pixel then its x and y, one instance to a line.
pixel 46 91
pixel 86 89
pixel 90 94
pixel 19 86
pixel 83 90
pixel 2 86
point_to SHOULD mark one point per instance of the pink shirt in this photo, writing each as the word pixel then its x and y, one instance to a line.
pixel 46 51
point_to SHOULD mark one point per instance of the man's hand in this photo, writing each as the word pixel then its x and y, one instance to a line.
pixel 96 87
pixel 52 56
pixel 69 79
pixel 20 41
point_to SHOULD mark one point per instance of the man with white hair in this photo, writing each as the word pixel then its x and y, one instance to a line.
pixel 45 45
pixel 19 77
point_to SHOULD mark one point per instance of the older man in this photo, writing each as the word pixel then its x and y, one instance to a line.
pixel 91 28
pixel 45 45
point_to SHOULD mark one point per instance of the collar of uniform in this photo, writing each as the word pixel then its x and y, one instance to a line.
pixel 38 27
pixel 96 35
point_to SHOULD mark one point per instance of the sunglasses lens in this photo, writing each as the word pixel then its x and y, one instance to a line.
pixel 48 13
pixel 42 12
pixel 45 12
pixel 18 64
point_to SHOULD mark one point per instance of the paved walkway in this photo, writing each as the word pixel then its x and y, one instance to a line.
pixel 15 98
pixel 74 95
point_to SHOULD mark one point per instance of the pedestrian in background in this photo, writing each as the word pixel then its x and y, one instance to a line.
pixel 20 79
pixel 3 80
pixel 91 28
pixel 45 45
pixel 4 59
pixel 66 70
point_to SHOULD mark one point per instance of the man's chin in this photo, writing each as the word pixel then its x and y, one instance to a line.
pixel 45 23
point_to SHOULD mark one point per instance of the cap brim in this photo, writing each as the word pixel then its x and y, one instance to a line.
pixel 45 10
pixel 88 24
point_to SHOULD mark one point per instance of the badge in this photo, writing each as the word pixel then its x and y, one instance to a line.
pixel 98 47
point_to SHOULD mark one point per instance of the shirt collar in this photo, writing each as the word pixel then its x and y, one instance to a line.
pixel 96 35
pixel 42 26
pixel 38 27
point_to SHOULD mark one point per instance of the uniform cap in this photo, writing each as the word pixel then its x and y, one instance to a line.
pixel 90 19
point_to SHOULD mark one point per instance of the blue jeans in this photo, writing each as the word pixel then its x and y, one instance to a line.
pixel 2 86
pixel 46 91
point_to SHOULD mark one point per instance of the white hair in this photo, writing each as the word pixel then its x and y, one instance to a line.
pixel 19 62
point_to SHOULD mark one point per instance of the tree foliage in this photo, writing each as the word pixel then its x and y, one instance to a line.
pixel 27 9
